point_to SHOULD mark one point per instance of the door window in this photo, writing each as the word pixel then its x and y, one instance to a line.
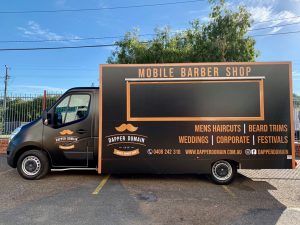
pixel 72 108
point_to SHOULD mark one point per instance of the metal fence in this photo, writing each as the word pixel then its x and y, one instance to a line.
pixel 21 109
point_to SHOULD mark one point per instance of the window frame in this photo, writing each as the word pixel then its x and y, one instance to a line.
pixel 261 117
pixel 74 121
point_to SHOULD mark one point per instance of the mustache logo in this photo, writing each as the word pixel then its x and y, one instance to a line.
pixel 66 132
pixel 123 127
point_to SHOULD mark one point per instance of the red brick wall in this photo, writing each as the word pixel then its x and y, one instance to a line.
pixel 3 145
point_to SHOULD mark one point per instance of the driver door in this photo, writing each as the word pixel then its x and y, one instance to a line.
pixel 68 136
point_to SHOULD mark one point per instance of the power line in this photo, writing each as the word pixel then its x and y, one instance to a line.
pixel 285 18
pixel 114 44
pixel 99 9
pixel 290 32
pixel 283 25
pixel 56 48
pixel 72 39
pixel 119 36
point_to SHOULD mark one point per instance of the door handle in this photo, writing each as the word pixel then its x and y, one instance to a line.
pixel 81 131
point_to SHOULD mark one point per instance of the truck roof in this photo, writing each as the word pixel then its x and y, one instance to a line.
pixel 83 88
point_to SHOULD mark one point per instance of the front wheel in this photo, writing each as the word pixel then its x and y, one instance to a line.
pixel 33 165
pixel 222 172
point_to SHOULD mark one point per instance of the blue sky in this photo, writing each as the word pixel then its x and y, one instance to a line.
pixel 58 70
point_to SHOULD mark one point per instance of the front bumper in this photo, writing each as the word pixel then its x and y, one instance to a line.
pixel 11 150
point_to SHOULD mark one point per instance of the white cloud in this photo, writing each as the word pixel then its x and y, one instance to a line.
pixel 267 10
pixel 35 31
pixel 275 30
pixel 260 14
pixel 272 18
pixel 286 16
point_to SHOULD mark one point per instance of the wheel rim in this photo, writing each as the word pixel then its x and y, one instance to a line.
pixel 31 165
pixel 222 170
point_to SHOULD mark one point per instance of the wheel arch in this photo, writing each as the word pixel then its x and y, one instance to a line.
pixel 234 163
pixel 27 148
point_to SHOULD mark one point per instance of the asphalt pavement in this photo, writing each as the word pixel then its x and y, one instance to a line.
pixel 255 197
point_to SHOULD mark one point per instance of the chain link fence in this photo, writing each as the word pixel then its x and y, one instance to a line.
pixel 21 109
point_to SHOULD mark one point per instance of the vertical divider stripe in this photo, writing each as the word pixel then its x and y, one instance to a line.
pixel 262 100
pixel 292 117
pixel 128 100
pixel 100 121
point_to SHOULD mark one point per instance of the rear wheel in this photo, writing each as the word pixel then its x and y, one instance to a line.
pixel 222 172
pixel 33 164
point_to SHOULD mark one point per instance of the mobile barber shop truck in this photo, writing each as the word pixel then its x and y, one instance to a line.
pixel 210 118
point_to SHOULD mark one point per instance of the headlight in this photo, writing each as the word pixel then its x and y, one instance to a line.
pixel 14 133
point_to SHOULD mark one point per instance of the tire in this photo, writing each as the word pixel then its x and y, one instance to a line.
pixel 222 172
pixel 33 165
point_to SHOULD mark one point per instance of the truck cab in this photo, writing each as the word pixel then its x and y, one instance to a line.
pixel 65 137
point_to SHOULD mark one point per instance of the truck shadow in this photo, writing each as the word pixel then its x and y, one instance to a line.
pixel 160 199
pixel 196 198
pixel 171 199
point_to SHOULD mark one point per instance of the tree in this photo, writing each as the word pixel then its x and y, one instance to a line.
pixel 223 38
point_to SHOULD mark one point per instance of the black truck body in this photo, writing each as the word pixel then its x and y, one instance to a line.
pixel 169 118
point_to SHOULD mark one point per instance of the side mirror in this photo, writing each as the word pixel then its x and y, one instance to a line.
pixel 57 119
pixel 46 117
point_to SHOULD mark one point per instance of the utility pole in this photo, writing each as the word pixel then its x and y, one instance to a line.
pixel 4 100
